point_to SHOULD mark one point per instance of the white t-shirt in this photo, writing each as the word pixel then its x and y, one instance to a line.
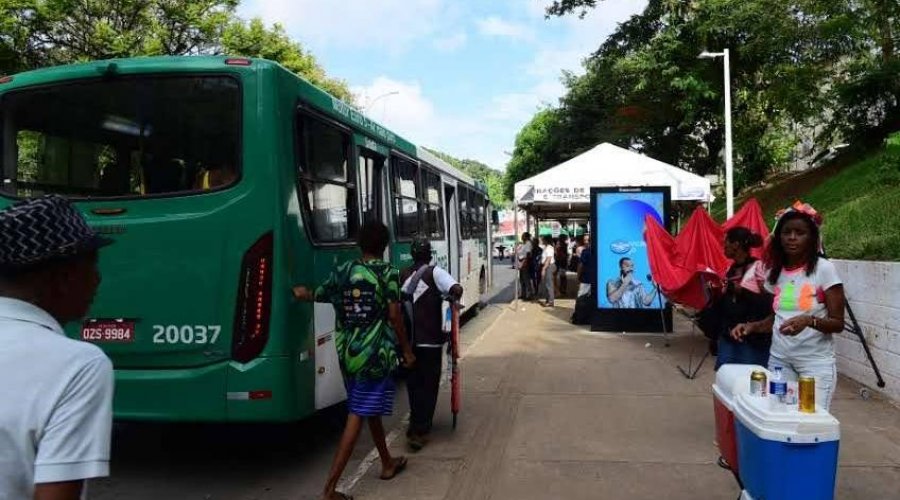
pixel 798 294
pixel 55 403
pixel 444 281
pixel 549 252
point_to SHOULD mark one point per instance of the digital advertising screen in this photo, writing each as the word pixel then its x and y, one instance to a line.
pixel 623 270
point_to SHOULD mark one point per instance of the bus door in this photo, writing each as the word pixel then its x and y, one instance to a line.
pixel 452 225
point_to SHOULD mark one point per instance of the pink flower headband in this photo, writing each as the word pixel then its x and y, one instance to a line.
pixel 804 208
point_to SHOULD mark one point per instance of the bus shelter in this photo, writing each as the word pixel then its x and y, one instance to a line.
pixel 563 192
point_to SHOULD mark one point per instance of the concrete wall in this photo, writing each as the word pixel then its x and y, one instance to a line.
pixel 873 289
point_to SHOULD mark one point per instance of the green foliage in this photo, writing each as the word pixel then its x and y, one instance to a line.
pixel 254 39
pixel 480 172
pixel 38 33
pixel 51 32
pixel 28 145
pixel 795 64
pixel 535 149
pixel 889 163
pixel 563 7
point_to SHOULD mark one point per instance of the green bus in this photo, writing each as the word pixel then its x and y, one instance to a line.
pixel 225 181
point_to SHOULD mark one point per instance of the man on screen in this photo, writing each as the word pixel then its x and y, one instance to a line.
pixel 625 292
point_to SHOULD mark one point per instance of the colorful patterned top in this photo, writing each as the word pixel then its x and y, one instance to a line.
pixel 797 294
pixel 360 293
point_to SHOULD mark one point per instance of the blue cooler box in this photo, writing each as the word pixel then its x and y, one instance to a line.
pixel 785 454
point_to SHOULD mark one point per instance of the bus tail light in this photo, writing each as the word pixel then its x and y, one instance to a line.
pixel 254 301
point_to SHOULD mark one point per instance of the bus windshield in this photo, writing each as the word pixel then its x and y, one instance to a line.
pixel 121 137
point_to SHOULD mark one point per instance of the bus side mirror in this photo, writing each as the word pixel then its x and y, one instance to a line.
pixel 495 218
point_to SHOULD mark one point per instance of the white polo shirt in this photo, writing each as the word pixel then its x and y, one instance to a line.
pixel 55 403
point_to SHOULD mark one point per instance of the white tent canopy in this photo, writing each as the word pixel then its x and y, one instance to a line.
pixel 566 188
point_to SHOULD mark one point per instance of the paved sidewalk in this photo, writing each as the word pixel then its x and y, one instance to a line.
pixel 553 411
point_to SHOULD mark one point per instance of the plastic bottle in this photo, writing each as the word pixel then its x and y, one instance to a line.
pixel 778 386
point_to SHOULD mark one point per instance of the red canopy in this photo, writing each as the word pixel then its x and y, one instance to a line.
pixel 683 265
pixel 750 216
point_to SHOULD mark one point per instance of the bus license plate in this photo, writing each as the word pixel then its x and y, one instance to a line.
pixel 99 330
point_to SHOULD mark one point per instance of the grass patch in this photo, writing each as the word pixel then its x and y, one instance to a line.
pixel 858 198
pixel 866 228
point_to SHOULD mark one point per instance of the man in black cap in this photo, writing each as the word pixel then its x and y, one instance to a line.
pixel 56 393
pixel 424 288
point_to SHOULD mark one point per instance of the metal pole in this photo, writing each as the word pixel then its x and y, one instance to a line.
pixel 516 242
pixel 729 167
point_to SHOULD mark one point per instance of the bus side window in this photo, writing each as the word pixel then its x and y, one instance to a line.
pixel 406 193
pixel 464 225
pixel 213 178
pixel 329 192
pixel 163 176
pixel 370 168
pixel 482 222
pixel 433 208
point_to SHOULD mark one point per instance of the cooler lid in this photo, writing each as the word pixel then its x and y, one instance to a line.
pixel 724 396
pixel 785 424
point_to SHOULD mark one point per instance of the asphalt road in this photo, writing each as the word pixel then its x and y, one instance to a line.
pixel 243 462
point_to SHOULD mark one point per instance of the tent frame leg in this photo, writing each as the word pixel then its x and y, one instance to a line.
pixel 662 315
pixel 691 372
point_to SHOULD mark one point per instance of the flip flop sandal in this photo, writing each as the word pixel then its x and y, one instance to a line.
pixel 342 496
pixel 399 466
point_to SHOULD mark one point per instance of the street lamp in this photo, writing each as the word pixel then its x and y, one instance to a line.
pixel 369 105
pixel 729 168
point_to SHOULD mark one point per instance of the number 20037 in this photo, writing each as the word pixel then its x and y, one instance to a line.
pixel 187 334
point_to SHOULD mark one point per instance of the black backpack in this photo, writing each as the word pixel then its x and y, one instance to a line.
pixel 407 294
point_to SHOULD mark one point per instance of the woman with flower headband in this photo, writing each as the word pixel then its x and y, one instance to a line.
pixel 808 302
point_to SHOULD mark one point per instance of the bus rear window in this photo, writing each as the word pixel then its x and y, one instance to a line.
pixel 122 137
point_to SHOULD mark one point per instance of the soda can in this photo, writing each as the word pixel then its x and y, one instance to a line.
pixel 758 386
pixel 807 387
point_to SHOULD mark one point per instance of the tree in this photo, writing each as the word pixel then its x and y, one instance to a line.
pixel 536 149
pixel 491 178
pixel 37 33
pixel 563 7
pixel 253 39
pixel 866 87
pixel 50 32
pixel 15 46
pixel 795 64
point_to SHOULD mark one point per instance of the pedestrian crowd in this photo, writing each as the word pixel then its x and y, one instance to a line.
pixel 544 265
